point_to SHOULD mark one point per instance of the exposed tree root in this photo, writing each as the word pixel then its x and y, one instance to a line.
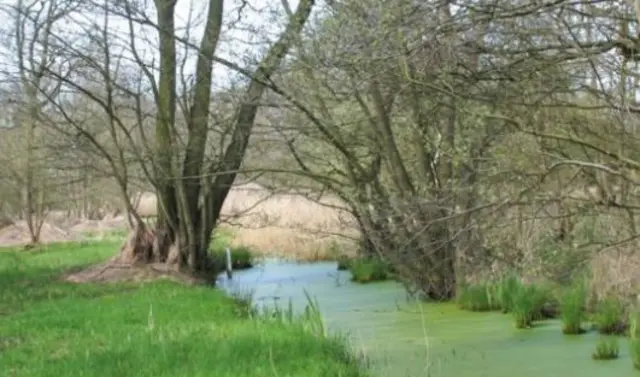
pixel 116 272
pixel 142 258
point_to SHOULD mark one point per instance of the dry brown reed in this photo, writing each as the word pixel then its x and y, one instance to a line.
pixel 288 225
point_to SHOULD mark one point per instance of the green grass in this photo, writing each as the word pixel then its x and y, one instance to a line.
pixel 160 329
pixel 572 304
pixel 609 317
pixel 607 348
pixel 369 270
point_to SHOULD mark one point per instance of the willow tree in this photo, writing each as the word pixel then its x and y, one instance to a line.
pixel 191 185
pixel 191 191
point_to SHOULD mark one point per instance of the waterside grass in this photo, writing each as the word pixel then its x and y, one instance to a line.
pixel 607 348
pixel 609 317
pixel 634 338
pixel 528 303
pixel 525 302
pixel 572 303
pixel 162 328
pixel 368 270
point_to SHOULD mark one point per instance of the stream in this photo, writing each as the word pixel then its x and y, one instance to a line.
pixel 405 338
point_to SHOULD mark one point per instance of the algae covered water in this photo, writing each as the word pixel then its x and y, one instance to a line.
pixel 405 338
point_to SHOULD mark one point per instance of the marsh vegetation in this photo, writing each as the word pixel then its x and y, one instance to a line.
pixel 481 157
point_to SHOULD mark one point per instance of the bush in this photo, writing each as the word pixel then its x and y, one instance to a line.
pixel 607 348
pixel 609 318
pixel 572 309
pixel 527 304
pixel 369 270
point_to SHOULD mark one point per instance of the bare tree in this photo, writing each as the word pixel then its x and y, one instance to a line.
pixel 35 54
pixel 118 79
pixel 411 113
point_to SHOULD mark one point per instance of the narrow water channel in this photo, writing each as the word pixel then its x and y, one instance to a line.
pixel 405 338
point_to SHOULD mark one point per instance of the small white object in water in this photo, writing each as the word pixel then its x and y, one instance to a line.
pixel 229 264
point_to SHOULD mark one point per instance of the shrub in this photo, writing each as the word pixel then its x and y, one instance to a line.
pixel 572 309
pixel 368 270
pixel 527 303
pixel 609 317
pixel 607 348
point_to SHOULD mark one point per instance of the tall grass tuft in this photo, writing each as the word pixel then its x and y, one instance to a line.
pixel 634 338
pixel 505 290
pixel 607 348
pixel 527 304
pixel 478 298
pixel 572 309
pixel 369 270
pixel 609 318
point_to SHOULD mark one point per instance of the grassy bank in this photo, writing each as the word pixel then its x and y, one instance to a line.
pixel 53 328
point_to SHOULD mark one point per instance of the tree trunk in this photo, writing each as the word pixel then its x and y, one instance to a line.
pixel 185 223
